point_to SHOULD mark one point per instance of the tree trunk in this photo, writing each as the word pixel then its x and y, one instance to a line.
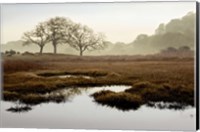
pixel 41 49
pixel 81 53
pixel 54 48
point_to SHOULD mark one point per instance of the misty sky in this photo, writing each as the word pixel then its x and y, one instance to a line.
pixel 118 21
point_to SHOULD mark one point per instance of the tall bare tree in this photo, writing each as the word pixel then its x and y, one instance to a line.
pixel 36 36
pixel 83 38
pixel 57 29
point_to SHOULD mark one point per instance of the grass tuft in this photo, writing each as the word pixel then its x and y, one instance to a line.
pixel 121 100
pixel 166 93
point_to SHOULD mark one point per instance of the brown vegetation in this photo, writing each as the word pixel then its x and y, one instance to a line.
pixel 121 100
pixel 32 99
pixel 152 79
pixel 147 93
pixel 166 93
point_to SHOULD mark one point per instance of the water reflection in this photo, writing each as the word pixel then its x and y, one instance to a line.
pixel 74 76
pixel 156 105
pixel 67 95
pixel 19 108
pixel 121 107
pixel 167 105
pixel 26 103
pixel 80 111
pixel 67 76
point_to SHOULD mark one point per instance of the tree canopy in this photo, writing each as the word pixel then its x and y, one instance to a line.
pixel 37 36
pixel 83 38
pixel 61 30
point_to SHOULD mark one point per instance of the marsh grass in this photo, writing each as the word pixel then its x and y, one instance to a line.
pixel 20 65
pixel 10 96
pixel 32 99
pixel 26 78
pixel 46 85
pixel 121 100
pixel 166 93
pixel 147 93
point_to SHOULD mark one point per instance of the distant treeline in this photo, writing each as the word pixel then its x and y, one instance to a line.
pixel 176 33
pixel 170 52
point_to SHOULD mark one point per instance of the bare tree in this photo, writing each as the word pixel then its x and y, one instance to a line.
pixel 83 38
pixel 57 29
pixel 36 36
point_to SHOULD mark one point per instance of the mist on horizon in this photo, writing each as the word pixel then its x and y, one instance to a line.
pixel 130 28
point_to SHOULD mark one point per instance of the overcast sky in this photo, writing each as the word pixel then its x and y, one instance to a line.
pixel 118 21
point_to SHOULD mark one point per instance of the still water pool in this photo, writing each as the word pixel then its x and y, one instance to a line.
pixel 80 111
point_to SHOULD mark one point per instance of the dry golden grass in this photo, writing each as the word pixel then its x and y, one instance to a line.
pixel 27 74
pixel 173 72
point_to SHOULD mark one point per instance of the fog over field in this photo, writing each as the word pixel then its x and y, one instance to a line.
pixel 126 31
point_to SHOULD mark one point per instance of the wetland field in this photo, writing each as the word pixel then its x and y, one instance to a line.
pixel 119 84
